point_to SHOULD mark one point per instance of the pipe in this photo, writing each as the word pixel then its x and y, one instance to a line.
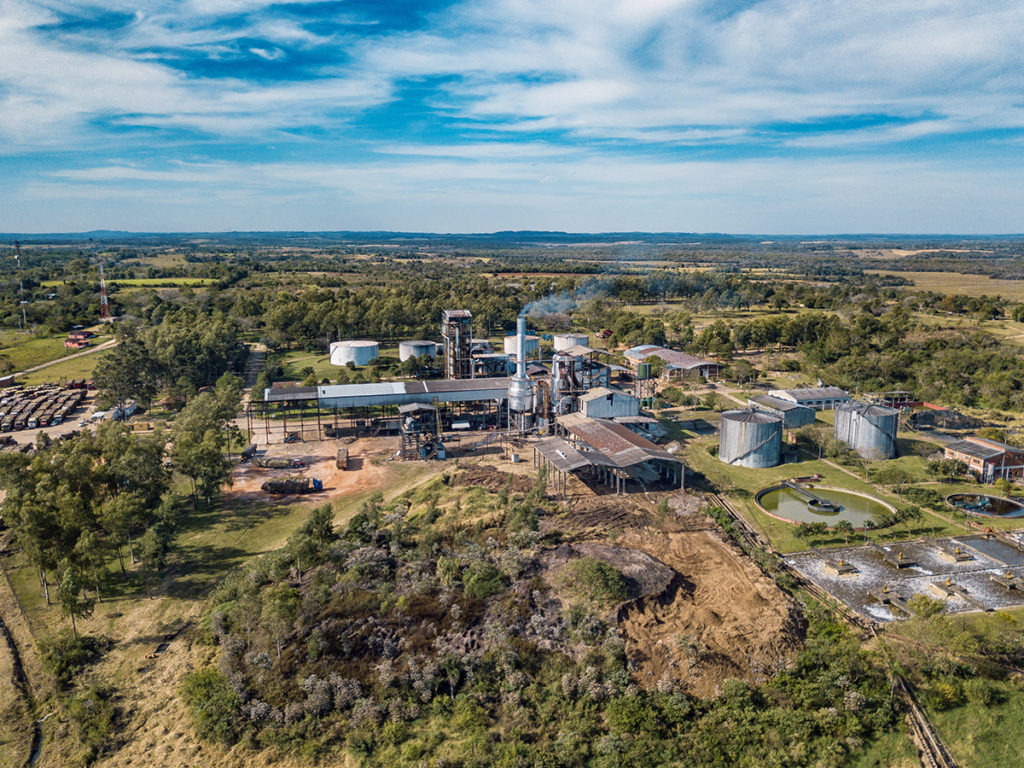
pixel 521 348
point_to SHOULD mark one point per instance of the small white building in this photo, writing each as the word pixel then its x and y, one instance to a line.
pixel 608 403
pixel 818 398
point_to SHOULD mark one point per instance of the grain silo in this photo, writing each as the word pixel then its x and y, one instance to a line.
pixel 567 340
pixel 750 439
pixel 870 430
pixel 532 346
pixel 407 349
pixel 357 352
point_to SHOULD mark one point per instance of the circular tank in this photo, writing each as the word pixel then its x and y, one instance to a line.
pixel 358 352
pixel 750 439
pixel 566 340
pixel 532 345
pixel 407 349
pixel 869 430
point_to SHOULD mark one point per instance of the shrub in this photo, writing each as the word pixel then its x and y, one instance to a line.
pixel 591 578
pixel 482 580
pixel 213 704
pixel 65 655
pixel 94 716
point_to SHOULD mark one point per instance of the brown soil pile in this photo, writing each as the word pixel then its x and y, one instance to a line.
pixel 722 619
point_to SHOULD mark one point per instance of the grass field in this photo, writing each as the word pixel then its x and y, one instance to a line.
pixel 76 368
pixel 956 283
pixel 742 484
pixel 26 350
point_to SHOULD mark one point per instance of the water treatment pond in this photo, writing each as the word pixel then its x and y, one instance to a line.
pixel 793 506
pixel 987 506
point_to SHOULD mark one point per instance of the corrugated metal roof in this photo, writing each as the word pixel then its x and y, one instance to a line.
pixel 456 313
pixel 868 409
pixel 577 350
pixel 562 455
pixel 598 392
pixel 621 446
pixel 777 403
pixel 815 393
pixel 288 394
pixel 968 448
pixel 673 358
pixel 751 417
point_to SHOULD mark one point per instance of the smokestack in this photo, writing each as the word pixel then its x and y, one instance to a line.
pixel 521 348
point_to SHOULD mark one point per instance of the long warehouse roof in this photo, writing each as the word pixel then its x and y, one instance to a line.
pixel 619 445
pixel 394 392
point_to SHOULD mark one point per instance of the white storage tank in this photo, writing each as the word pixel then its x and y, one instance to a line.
pixel 532 344
pixel 357 352
pixel 870 430
pixel 407 349
pixel 567 340
pixel 750 439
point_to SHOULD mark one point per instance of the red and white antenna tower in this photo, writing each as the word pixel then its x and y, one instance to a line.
pixel 104 305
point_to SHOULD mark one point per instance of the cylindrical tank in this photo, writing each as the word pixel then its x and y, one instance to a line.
pixel 532 344
pixel 870 430
pixel 750 439
pixel 643 371
pixel 407 349
pixel 356 351
pixel 566 340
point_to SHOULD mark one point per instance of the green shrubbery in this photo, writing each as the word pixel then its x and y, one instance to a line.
pixel 213 704
pixel 592 579
pixel 65 655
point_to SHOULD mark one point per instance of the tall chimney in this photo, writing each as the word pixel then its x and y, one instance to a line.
pixel 521 348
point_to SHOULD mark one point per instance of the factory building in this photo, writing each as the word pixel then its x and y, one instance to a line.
pixel 606 403
pixel 678 365
pixel 610 453
pixel 818 398
pixel 988 459
pixel 357 352
pixel 750 439
pixel 870 430
pixel 793 415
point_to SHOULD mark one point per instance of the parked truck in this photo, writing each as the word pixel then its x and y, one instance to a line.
pixel 293 485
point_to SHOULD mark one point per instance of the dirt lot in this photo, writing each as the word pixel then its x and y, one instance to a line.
pixel 720 617
pixel 319 462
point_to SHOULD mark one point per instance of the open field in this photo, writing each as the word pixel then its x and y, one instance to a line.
pixel 954 283
pixel 76 368
pixel 26 350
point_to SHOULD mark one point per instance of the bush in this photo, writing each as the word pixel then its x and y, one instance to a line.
pixel 213 705
pixel 65 655
pixel 94 716
pixel 979 691
pixel 591 578
pixel 482 580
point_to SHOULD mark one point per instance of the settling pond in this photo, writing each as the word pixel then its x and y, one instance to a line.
pixel 986 506
pixel 791 505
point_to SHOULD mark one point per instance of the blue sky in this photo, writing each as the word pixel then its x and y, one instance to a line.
pixel 782 116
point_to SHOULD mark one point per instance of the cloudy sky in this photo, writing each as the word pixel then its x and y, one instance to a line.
pixel 781 116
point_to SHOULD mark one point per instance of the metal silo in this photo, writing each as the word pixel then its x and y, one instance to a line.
pixel 870 430
pixel 357 352
pixel 750 439
pixel 567 340
pixel 407 349
pixel 531 344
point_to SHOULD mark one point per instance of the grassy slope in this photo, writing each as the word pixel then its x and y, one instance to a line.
pixel 26 350
pixel 953 283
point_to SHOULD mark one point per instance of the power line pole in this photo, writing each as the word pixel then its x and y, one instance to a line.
pixel 21 284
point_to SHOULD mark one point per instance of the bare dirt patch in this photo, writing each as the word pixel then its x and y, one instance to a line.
pixel 319 461
pixel 722 619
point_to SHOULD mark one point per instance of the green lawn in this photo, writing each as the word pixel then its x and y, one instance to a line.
pixel 26 350
pixel 741 485
pixel 76 368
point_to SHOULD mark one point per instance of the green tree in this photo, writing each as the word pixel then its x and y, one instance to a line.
pixel 199 442
pixel 69 595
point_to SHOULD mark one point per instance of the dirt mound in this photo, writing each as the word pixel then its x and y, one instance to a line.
pixel 646 576
pixel 722 619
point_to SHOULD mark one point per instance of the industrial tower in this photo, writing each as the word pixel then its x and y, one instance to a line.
pixel 104 304
pixel 21 284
